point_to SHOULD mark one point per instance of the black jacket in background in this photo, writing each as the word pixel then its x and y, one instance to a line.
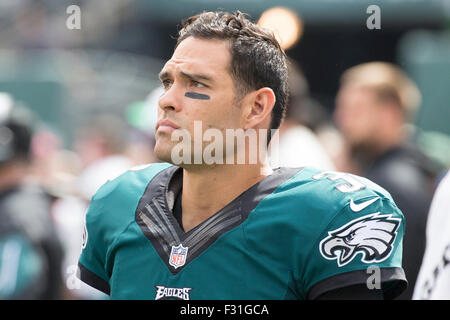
pixel 27 208
pixel 408 175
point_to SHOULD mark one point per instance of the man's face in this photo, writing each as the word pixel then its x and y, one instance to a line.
pixel 356 114
pixel 198 87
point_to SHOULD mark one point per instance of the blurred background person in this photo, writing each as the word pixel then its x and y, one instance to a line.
pixel 433 282
pixel 140 147
pixel 297 144
pixel 101 144
pixel 68 211
pixel 374 104
pixel 22 266
pixel 28 207
pixel 142 117
pixel 99 155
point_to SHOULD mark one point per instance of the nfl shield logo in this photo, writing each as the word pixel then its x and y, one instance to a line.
pixel 178 256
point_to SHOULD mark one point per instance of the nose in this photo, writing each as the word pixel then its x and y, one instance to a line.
pixel 169 100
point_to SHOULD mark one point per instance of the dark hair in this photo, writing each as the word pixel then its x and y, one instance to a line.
pixel 257 60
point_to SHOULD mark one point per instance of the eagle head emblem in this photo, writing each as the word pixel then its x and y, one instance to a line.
pixel 371 235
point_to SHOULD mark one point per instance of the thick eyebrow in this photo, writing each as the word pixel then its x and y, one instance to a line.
pixel 163 75
pixel 196 76
pixel 192 76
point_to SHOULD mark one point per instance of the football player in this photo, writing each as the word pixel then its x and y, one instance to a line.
pixel 231 229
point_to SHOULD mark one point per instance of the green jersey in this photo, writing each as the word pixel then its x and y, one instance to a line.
pixel 296 234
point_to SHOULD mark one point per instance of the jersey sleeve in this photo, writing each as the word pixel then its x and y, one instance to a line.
pixel 21 268
pixel 111 211
pixel 93 259
pixel 362 244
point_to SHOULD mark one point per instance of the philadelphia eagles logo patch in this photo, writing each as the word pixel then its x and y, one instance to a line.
pixel 372 236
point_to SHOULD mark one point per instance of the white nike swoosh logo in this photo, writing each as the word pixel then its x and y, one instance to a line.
pixel 361 206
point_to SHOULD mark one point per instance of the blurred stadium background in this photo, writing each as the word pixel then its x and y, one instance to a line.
pixel 110 65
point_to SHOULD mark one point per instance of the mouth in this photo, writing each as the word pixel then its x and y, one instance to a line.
pixel 165 125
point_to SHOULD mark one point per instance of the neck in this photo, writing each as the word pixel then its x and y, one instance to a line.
pixel 389 139
pixel 11 175
pixel 208 189
pixel 365 154
pixel 286 125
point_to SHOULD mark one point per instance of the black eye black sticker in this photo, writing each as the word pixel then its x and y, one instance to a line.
pixel 195 95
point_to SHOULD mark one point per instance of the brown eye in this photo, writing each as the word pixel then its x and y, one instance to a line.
pixel 197 84
pixel 166 83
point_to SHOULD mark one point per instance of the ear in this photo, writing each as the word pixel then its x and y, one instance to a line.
pixel 257 108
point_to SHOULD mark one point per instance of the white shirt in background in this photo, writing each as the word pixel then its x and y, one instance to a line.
pixel 433 282
pixel 299 147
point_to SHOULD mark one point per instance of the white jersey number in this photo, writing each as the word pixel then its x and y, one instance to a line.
pixel 351 184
